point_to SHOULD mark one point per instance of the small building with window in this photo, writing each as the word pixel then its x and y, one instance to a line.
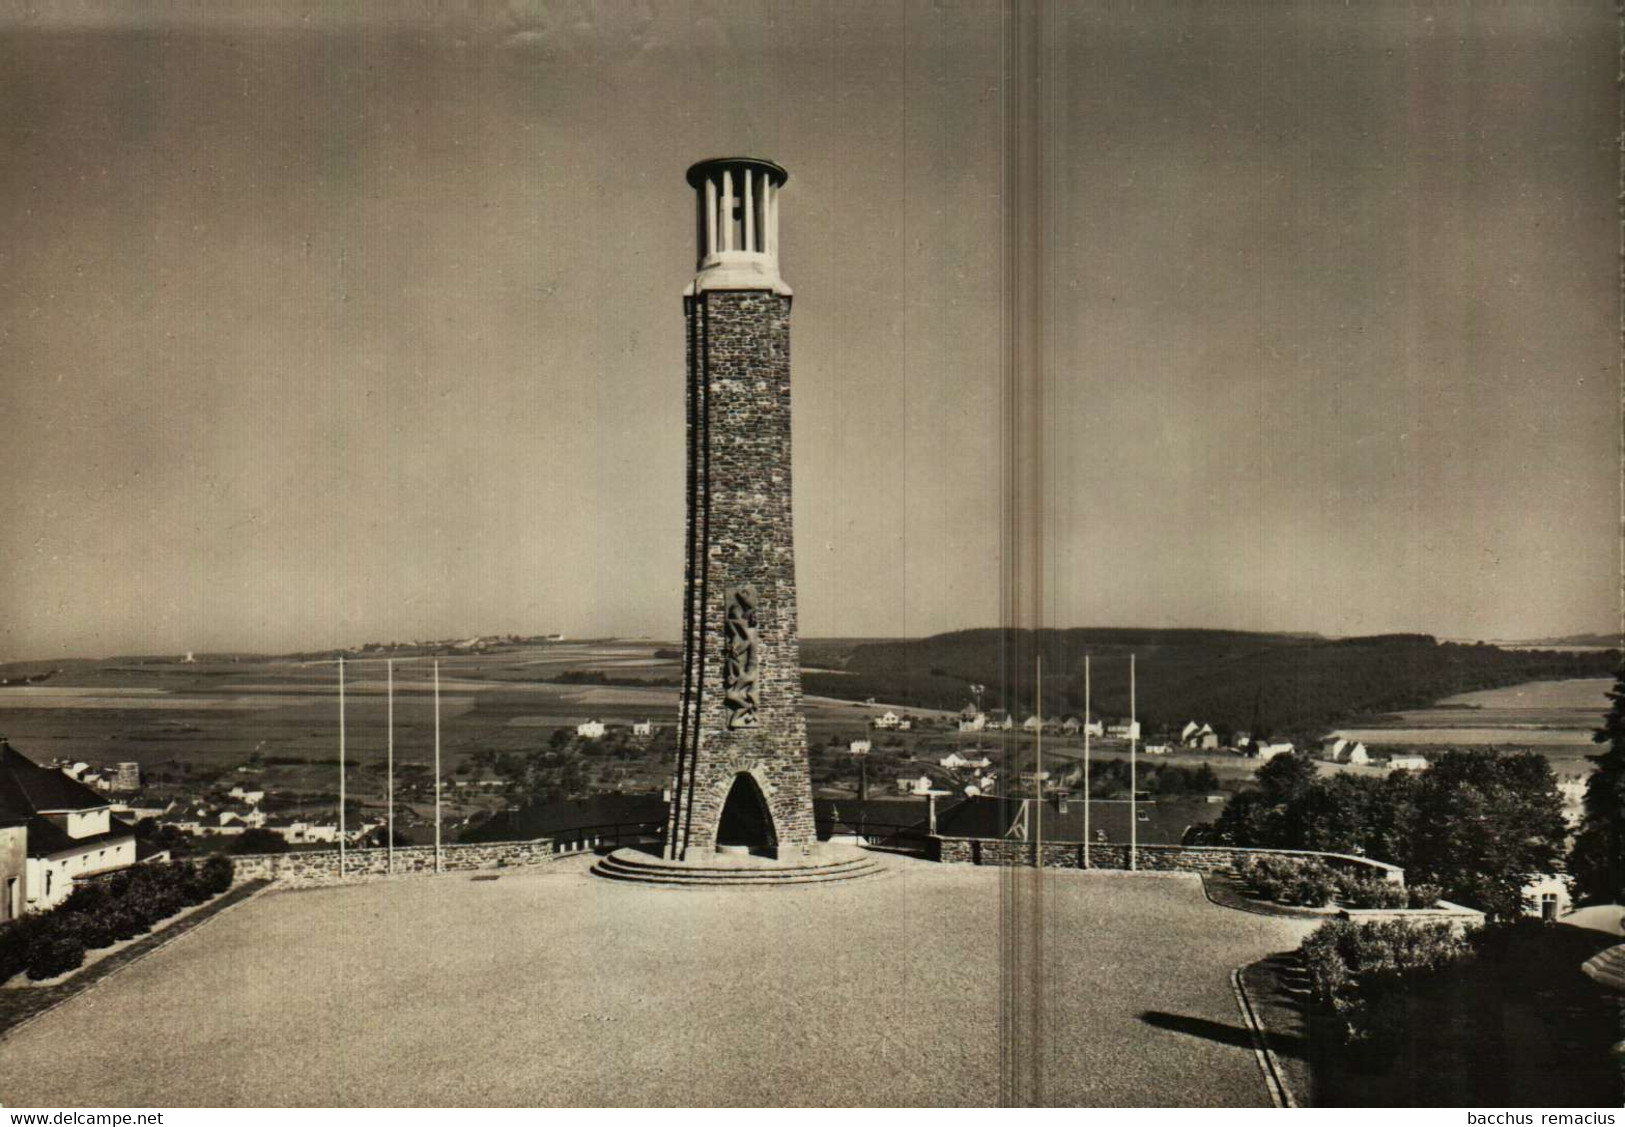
pixel 71 831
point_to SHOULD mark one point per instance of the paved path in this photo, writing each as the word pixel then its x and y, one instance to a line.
pixel 555 988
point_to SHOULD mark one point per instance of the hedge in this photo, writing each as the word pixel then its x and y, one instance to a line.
pixel 1361 972
pixel 1309 882
pixel 101 913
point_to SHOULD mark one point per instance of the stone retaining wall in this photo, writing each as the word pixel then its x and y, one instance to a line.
pixel 307 869
pixel 1152 858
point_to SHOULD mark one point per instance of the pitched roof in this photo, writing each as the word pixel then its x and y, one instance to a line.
pixel 26 786
pixel 46 838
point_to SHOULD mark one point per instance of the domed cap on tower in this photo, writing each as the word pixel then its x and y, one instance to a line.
pixel 737 206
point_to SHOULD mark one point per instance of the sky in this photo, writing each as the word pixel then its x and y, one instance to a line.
pixel 322 325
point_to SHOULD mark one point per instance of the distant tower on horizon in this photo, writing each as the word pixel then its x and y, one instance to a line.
pixel 741 780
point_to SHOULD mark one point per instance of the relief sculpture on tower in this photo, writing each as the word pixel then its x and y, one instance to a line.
pixel 741 667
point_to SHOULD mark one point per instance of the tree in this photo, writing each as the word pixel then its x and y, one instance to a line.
pixel 1598 858
pixel 1333 814
pixel 1262 815
pixel 1485 824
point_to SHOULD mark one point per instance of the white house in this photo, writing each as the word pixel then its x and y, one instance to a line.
pixel 887 719
pixel 591 730
pixel 244 794
pixel 71 829
pixel 1158 749
pixel 973 723
pixel 1124 730
pixel 305 833
pixel 1268 751
pixel 1032 724
pixel 242 817
pixel 643 728
pixel 1201 736
pixel 1408 763
pixel 1335 749
pixel 954 761
pixel 859 747
pixel 1359 756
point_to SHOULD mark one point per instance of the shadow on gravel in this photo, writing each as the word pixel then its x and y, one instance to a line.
pixel 1235 1035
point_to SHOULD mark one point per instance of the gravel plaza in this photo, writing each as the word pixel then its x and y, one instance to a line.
pixel 557 988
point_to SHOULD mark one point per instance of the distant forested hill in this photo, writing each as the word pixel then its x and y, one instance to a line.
pixel 1274 683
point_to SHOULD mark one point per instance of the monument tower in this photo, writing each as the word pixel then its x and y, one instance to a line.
pixel 741 782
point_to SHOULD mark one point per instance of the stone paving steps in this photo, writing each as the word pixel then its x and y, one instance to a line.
pixel 630 866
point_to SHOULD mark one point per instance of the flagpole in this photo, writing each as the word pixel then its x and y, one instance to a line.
pixel 1133 772
pixel 1038 763
pixel 1086 761
pixel 389 774
pixel 341 768
pixel 437 765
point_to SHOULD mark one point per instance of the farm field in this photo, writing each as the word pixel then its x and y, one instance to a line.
pixel 1553 717
pixel 187 723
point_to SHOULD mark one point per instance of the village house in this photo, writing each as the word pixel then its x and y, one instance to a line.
pixel 245 794
pixel 1000 719
pixel 70 830
pixel 1158 749
pixel 1200 737
pixel 643 729
pixel 1408 763
pixel 1124 730
pixel 1032 724
pixel 972 719
pixel 1268 751
pixel 887 719
pixel 859 747
pixel 590 730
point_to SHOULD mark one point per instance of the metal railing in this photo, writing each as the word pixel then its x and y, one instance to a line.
pixel 879 835
pixel 580 839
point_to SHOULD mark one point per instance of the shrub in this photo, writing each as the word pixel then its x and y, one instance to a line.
pixel 1312 886
pixel 1360 972
pixel 219 872
pixel 54 952
pixel 1424 895
pixel 1359 891
pixel 14 940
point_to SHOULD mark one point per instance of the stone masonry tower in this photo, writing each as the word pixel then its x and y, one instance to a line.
pixel 741 781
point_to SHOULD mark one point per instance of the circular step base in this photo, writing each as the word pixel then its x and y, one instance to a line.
pixel 826 865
